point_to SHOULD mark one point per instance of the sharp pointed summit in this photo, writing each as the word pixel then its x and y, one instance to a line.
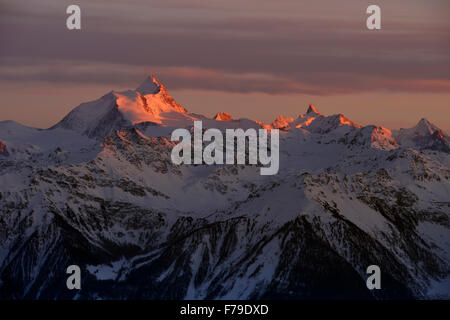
pixel 150 102
pixel 223 116
pixel 424 127
pixel 424 135
pixel 312 109
pixel 316 122
pixel 150 85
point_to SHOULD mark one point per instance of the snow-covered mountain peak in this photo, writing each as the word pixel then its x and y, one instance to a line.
pixel 223 116
pixel 424 127
pixel 424 135
pixel 151 107
pixel 150 85
pixel 150 102
pixel 315 122
pixel 312 110
pixel 281 122
pixel 376 137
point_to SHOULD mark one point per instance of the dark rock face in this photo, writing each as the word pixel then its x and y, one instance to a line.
pixel 308 267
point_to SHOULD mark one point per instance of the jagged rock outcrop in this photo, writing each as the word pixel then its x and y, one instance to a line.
pixel 223 116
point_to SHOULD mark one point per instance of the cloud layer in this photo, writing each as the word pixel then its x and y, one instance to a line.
pixel 283 47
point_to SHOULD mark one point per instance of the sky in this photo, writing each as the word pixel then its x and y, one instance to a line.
pixel 250 58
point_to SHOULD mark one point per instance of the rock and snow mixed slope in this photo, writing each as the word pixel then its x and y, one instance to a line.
pixel 424 135
pixel 150 102
pixel 99 190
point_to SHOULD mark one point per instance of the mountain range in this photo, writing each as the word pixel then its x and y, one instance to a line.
pixel 99 190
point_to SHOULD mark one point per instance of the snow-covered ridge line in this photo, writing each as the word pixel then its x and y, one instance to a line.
pixel 151 104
